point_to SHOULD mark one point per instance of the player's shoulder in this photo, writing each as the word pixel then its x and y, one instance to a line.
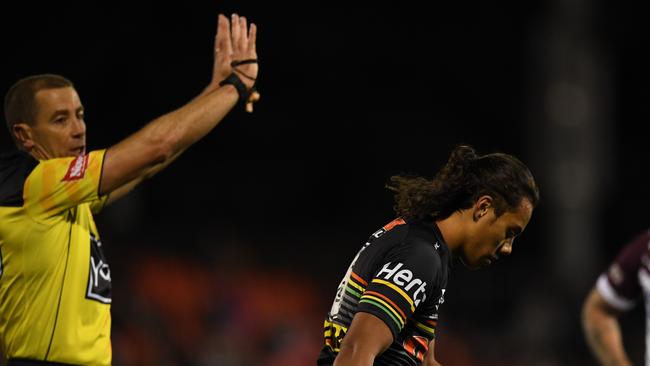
pixel 644 236
pixel 409 239
pixel 425 239
pixel 420 246
pixel 15 167
pixel 640 243
pixel 634 251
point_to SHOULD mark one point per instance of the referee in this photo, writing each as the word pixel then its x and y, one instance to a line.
pixel 55 283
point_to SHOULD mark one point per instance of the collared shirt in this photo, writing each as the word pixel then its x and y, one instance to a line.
pixel 55 286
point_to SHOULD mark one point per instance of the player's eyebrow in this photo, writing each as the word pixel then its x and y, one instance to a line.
pixel 515 230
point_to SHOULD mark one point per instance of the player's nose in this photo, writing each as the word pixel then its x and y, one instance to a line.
pixel 506 248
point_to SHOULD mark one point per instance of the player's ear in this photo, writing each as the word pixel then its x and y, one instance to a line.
pixel 23 134
pixel 482 206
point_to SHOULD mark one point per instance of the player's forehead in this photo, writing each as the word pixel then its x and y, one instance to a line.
pixel 520 216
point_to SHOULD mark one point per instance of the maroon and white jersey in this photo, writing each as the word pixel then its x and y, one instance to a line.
pixel 628 279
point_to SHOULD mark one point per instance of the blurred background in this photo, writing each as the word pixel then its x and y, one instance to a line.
pixel 233 254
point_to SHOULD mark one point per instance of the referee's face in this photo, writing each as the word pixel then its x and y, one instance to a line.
pixel 492 236
pixel 59 129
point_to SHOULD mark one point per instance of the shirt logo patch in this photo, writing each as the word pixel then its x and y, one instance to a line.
pixel 404 279
pixel 99 274
pixel 77 168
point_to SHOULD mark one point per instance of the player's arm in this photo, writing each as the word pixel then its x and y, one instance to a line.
pixel 367 337
pixel 430 358
pixel 602 330
pixel 155 146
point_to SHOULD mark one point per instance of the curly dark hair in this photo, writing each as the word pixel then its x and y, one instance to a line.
pixel 465 177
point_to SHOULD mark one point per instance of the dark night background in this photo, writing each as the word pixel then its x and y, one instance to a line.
pixel 233 254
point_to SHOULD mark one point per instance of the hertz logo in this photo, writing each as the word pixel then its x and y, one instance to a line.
pixel 404 279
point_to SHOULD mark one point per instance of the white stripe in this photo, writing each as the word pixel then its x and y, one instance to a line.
pixel 609 294
pixel 644 280
pixel 340 292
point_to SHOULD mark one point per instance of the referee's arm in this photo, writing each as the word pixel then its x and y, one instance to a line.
pixel 155 146
pixel 164 138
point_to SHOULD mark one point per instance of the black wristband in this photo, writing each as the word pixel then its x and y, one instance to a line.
pixel 235 81
pixel 236 63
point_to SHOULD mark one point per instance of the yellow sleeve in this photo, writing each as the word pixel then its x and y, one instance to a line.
pixel 56 185
pixel 98 205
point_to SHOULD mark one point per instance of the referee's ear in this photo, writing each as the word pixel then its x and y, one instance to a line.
pixel 22 134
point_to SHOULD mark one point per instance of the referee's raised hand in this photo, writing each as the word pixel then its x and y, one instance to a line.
pixel 235 60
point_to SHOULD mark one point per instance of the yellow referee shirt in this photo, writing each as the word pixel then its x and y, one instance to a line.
pixel 55 284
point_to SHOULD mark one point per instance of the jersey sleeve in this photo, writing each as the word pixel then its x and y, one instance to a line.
pixel 402 283
pixel 96 206
pixel 426 318
pixel 620 285
pixel 56 185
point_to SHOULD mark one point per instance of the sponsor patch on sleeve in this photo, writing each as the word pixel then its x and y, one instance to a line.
pixel 77 168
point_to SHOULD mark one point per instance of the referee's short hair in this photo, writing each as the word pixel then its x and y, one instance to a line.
pixel 20 101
